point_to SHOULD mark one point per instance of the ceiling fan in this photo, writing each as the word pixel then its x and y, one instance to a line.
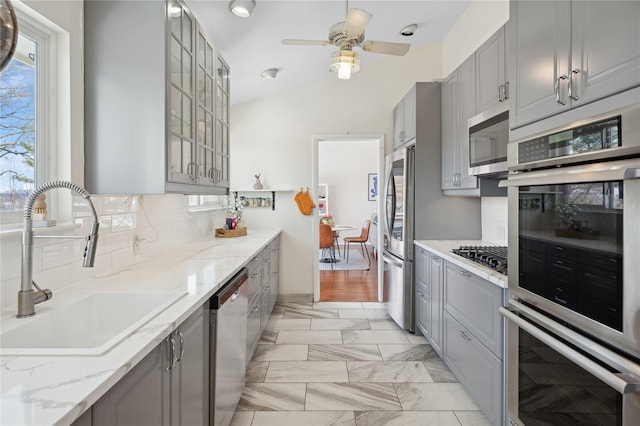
pixel 347 35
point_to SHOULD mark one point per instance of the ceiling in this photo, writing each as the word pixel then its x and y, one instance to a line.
pixel 252 45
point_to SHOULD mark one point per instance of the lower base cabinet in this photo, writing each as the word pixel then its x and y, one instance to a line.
pixel 474 338
pixel 478 370
pixel 168 387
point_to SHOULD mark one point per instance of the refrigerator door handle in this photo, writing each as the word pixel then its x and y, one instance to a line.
pixel 392 261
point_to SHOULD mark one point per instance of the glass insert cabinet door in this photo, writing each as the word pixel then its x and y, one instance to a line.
pixel 182 168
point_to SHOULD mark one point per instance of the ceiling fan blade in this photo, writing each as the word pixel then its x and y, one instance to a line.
pixel 356 21
pixel 296 42
pixel 386 48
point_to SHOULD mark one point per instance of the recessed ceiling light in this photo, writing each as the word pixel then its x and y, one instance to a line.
pixel 409 30
pixel 271 73
pixel 242 8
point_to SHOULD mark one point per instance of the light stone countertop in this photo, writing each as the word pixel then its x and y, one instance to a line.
pixel 55 390
pixel 443 249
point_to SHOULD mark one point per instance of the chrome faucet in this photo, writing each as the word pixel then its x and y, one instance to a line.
pixel 27 298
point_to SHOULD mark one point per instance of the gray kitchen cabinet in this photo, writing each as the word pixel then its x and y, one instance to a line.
pixel 477 368
pixel 404 119
pixel 150 96
pixel 141 397
pixel 85 419
pixel 266 287
pixel 190 372
pixel 274 281
pixel 263 292
pixel 458 105
pixel 474 302
pixel 492 84
pixel 474 337
pixel 436 280
pixel 169 386
pixel 429 282
pixel 564 54
pixel 421 264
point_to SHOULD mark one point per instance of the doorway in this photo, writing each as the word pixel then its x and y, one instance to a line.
pixel 343 167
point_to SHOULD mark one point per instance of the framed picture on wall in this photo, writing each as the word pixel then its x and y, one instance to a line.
pixel 373 187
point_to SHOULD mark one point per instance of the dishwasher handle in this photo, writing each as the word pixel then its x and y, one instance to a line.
pixel 229 291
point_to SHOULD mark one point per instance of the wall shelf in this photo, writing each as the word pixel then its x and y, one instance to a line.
pixel 265 190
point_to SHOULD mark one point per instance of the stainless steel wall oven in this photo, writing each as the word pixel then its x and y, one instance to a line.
pixel 574 274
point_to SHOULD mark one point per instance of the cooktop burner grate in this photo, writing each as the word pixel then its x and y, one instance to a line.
pixel 494 257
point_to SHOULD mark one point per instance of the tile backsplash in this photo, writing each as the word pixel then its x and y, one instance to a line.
pixel 494 220
pixel 155 222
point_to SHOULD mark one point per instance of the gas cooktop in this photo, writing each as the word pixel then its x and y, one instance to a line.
pixel 494 257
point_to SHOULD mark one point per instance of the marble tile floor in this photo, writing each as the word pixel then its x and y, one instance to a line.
pixel 348 364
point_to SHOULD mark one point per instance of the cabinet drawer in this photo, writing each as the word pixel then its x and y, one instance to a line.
pixel 478 370
pixel 255 283
pixel 422 311
pixel 562 252
pixel 563 293
pixel 474 302
pixel 533 245
pixel 605 261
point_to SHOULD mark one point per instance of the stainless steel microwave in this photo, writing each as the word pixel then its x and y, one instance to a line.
pixel 488 140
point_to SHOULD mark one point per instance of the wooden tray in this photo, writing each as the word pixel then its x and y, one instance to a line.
pixel 230 233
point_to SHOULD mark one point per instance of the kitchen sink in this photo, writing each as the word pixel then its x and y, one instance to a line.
pixel 89 326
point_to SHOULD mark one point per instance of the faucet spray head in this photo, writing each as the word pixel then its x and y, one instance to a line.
pixel 89 255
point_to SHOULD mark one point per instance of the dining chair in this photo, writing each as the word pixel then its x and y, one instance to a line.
pixel 327 244
pixel 362 239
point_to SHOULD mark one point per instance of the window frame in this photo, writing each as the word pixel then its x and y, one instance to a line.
pixel 44 34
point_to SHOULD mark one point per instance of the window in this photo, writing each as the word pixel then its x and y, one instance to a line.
pixel 27 151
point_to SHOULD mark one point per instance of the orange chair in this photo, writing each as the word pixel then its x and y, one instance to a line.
pixel 362 239
pixel 327 244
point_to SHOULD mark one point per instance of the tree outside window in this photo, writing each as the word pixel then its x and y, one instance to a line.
pixel 17 127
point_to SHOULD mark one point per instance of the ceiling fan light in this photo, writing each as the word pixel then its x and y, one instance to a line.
pixel 242 8
pixel 345 62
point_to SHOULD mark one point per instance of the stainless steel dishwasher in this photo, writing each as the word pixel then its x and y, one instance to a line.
pixel 228 348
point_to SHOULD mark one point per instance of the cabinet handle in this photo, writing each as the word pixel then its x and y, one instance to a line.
pixel 419 293
pixel 181 345
pixel 505 91
pixel 557 299
pixel 557 89
pixel 465 273
pixel 571 95
pixel 172 353
pixel 559 262
pixel 501 93
pixel 436 258
pixel 254 275
pixel 465 335
pixel 255 308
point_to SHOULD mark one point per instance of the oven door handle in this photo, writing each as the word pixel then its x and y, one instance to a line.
pixel 621 382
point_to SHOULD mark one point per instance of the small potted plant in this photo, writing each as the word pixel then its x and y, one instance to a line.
pixel 235 208
pixel 327 219
pixel 567 212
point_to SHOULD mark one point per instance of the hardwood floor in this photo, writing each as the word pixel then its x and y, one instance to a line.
pixel 350 286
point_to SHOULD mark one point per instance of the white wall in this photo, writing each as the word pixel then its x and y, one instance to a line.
pixel 479 21
pixel 344 166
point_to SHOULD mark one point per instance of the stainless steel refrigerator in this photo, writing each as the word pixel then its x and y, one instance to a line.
pixel 398 236
pixel 416 207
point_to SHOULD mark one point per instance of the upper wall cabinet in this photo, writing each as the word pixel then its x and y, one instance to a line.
pixel 458 105
pixel 492 84
pixel 404 120
pixel 156 101
pixel 569 53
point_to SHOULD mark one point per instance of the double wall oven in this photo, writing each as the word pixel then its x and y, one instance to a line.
pixel 573 317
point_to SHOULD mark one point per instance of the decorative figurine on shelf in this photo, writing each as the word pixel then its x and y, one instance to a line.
pixel 258 184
